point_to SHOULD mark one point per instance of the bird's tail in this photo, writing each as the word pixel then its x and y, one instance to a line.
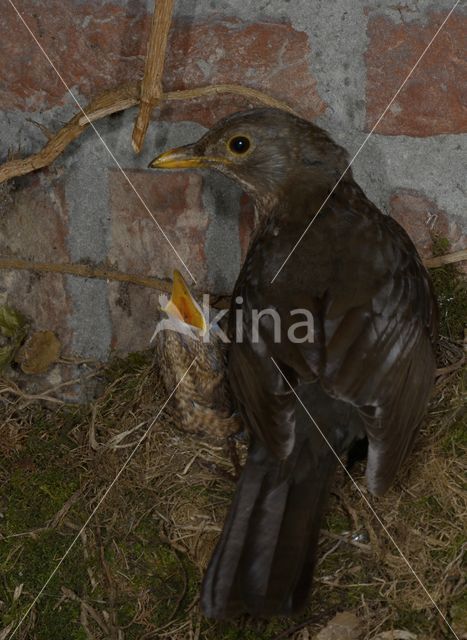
pixel 263 563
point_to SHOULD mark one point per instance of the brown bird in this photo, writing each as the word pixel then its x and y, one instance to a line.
pixel 368 371
pixel 202 404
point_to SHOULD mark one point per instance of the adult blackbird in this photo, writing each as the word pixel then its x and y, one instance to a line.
pixel 369 370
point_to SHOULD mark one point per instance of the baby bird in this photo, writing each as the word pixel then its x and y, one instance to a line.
pixel 189 349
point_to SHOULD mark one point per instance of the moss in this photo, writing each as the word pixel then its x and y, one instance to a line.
pixel 170 576
pixel 132 364
pixel 48 440
pixel 232 632
pixel 247 629
pixel 451 292
pixel 455 439
pixel 144 575
pixel 56 622
pixel 126 612
pixel 36 498
pixel 13 330
pixel 154 566
pixel 458 613
pixel 31 564
pixel 38 482
pixel 337 522
pixel 39 556
pixel 60 623
pixel 415 622
pixel 426 503
pixel 440 245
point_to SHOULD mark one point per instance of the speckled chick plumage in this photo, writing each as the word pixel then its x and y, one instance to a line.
pixel 201 403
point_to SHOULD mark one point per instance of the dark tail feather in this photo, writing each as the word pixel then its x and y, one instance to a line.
pixel 264 561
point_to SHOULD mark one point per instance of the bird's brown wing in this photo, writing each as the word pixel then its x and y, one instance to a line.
pixel 379 350
pixel 375 319
pixel 265 401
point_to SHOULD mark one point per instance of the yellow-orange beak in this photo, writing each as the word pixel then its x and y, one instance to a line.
pixel 179 158
pixel 185 158
pixel 183 306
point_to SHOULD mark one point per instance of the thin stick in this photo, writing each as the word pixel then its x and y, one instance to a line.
pixel 87 271
pixel 151 87
pixel 189 94
pixel 108 102
pixel 113 101
pixel 449 258
pixel 236 89
pixel 217 301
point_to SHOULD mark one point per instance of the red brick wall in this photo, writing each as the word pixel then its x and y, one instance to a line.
pixel 338 64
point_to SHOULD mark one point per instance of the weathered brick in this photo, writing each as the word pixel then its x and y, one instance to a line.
pixel 434 100
pixel 422 219
pixel 99 46
pixel 42 298
pixel 134 314
pixel 136 243
pixel 272 57
pixel 35 227
pixel 94 46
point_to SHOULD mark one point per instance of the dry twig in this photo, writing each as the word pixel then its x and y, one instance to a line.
pixel 121 98
pixel 113 101
pixel 448 258
pixel 151 87
pixel 151 282
pixel 88 271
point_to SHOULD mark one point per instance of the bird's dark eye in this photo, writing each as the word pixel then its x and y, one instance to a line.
pixel 239 144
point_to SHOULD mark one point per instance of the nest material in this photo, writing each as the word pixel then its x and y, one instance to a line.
pixel 136 569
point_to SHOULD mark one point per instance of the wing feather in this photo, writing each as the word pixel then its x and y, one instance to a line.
pixel 376 320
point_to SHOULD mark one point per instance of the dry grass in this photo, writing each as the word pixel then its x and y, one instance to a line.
pixel 135 571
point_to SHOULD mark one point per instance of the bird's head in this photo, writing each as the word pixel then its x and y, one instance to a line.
pixel 262 149
pixel 184 314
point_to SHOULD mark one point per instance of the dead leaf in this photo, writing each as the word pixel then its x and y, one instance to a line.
pixel 13 330
pixel 18 592
pixel 344 626
pixel 12 322
pixel 38 352
pixel 4 633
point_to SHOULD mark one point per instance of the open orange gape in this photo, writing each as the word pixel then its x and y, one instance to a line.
pixel 183 306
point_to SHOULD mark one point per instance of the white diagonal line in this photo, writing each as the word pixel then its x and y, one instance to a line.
pixel 96 508
pixel 101 139
pixel 365 499
pixel 365 140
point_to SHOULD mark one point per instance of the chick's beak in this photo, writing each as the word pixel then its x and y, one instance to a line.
pixel 183 306
pixel 179 158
